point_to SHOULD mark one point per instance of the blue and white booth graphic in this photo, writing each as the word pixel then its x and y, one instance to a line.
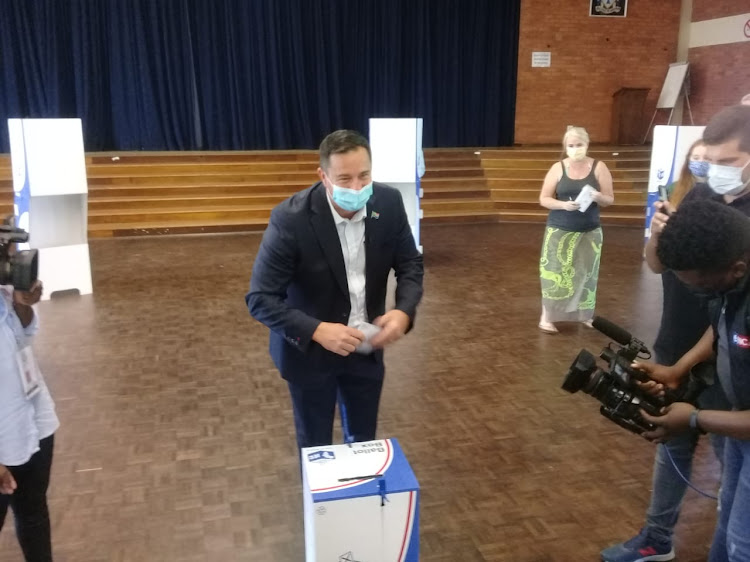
pixel 51 199
pixel 668 152
pixel 397 160
pixel 361 503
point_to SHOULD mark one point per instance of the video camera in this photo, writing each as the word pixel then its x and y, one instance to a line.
pixel 19 268
pixel 616 387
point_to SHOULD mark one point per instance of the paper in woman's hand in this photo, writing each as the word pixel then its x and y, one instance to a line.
pixel 585 198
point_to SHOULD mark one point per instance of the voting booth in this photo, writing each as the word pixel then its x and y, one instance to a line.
pixel 668 152
pixel 51 199
pixel 361 503
pixel 396 146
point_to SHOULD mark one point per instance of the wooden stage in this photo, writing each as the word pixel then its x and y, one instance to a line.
pixel 135 193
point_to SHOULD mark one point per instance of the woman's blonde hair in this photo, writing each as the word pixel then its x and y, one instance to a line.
pixel 686 182
pixel 579 132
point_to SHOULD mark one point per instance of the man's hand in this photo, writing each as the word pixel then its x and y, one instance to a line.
pixel 7 482
pixel 394 325
pixel 675 420
pixel 338 338
pixel 662 210
pixel 663 377
pixel 29 297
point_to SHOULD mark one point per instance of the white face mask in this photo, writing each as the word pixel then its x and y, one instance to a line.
pixel 576 153
pixel 727 180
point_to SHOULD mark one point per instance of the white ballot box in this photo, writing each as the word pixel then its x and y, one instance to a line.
pixel 361 503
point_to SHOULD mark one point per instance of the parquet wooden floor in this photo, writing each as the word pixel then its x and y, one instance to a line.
pixel 177 442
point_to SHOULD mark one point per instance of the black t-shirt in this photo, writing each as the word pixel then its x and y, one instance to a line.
pixel 685 316
pixel 567 190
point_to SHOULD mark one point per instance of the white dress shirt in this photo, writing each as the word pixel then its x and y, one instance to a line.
pixel 23 422
pixel 352 237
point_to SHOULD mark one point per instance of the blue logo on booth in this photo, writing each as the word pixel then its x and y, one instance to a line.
pixel 321 456
pixel 660 173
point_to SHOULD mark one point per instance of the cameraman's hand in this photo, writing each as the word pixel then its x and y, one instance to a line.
pixel 675 420
pixel 663 377
pixel 29 297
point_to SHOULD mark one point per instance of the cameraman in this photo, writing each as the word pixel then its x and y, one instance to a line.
pixel 707 245
pixel 684 321
pixel 27 425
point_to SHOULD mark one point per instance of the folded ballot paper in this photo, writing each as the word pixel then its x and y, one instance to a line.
pixel 585 198
pixel 370 331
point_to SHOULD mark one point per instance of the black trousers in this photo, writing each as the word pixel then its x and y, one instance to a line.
pixel 29 503
pixel 314 407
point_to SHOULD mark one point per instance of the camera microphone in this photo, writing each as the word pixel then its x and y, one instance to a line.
pixel 620 335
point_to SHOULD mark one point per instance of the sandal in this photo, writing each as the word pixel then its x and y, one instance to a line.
pixel 548 328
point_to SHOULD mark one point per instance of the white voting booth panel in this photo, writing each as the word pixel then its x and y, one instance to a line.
pixel 51 192
pixel 668 152
pixel 396 146
pixel 361 503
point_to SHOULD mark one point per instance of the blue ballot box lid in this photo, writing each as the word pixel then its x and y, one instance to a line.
pixel 356 470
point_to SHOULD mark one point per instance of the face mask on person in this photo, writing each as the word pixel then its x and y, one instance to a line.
pixel 351 199
pixel 576 153
pixel 699 168
pixel 727 180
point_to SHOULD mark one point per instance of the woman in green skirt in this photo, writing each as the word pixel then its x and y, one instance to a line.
pixel 573 190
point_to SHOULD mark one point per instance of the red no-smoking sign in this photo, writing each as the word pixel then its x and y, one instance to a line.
pixel 747 28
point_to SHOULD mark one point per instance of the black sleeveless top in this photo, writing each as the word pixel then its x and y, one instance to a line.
pixel 567 190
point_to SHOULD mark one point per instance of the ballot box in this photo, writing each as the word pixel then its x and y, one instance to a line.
pixel 361 503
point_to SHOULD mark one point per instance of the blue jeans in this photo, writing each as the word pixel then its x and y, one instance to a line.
pixel 732 537
pixel 668 488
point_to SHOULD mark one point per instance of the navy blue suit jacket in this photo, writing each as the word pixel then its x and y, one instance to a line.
pixel 299 279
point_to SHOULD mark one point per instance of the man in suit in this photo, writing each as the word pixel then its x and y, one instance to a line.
pixel 320 275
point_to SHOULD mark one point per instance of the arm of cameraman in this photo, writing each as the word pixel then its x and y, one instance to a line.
pixel 676 420
pixel 731 424
pixel 701 351
pixel 663 376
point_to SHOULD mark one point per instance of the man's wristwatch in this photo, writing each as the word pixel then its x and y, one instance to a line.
pixel 694 422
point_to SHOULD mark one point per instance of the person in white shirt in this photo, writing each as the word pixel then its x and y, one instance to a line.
pixel 319 283
pixel 27 425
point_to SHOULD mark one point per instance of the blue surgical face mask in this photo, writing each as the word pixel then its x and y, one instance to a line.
pixel 727 180
pixel 699 168
pixel 351 199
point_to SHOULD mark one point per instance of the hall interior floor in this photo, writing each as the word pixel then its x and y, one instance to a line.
pixel 177 441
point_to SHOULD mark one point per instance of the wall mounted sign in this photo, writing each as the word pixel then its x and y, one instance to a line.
pixel 609 8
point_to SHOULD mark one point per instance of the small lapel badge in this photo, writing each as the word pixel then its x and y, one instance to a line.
pixel 374 215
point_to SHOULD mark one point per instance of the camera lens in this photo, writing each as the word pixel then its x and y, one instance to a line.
pixel 580 372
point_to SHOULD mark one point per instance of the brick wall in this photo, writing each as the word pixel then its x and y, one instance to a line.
pixel 720 74
pixel 591 59
pixel 712 9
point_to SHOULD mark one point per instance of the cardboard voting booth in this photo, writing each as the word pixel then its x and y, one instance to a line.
pixel 361 503
pixel 51 199
pixel 396 146
pixel 668 153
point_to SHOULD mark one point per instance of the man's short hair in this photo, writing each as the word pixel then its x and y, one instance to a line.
pixel 730 123
pixel 704 236
pixel 340 142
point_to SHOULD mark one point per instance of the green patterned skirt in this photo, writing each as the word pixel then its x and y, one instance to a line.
pixel 569 271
